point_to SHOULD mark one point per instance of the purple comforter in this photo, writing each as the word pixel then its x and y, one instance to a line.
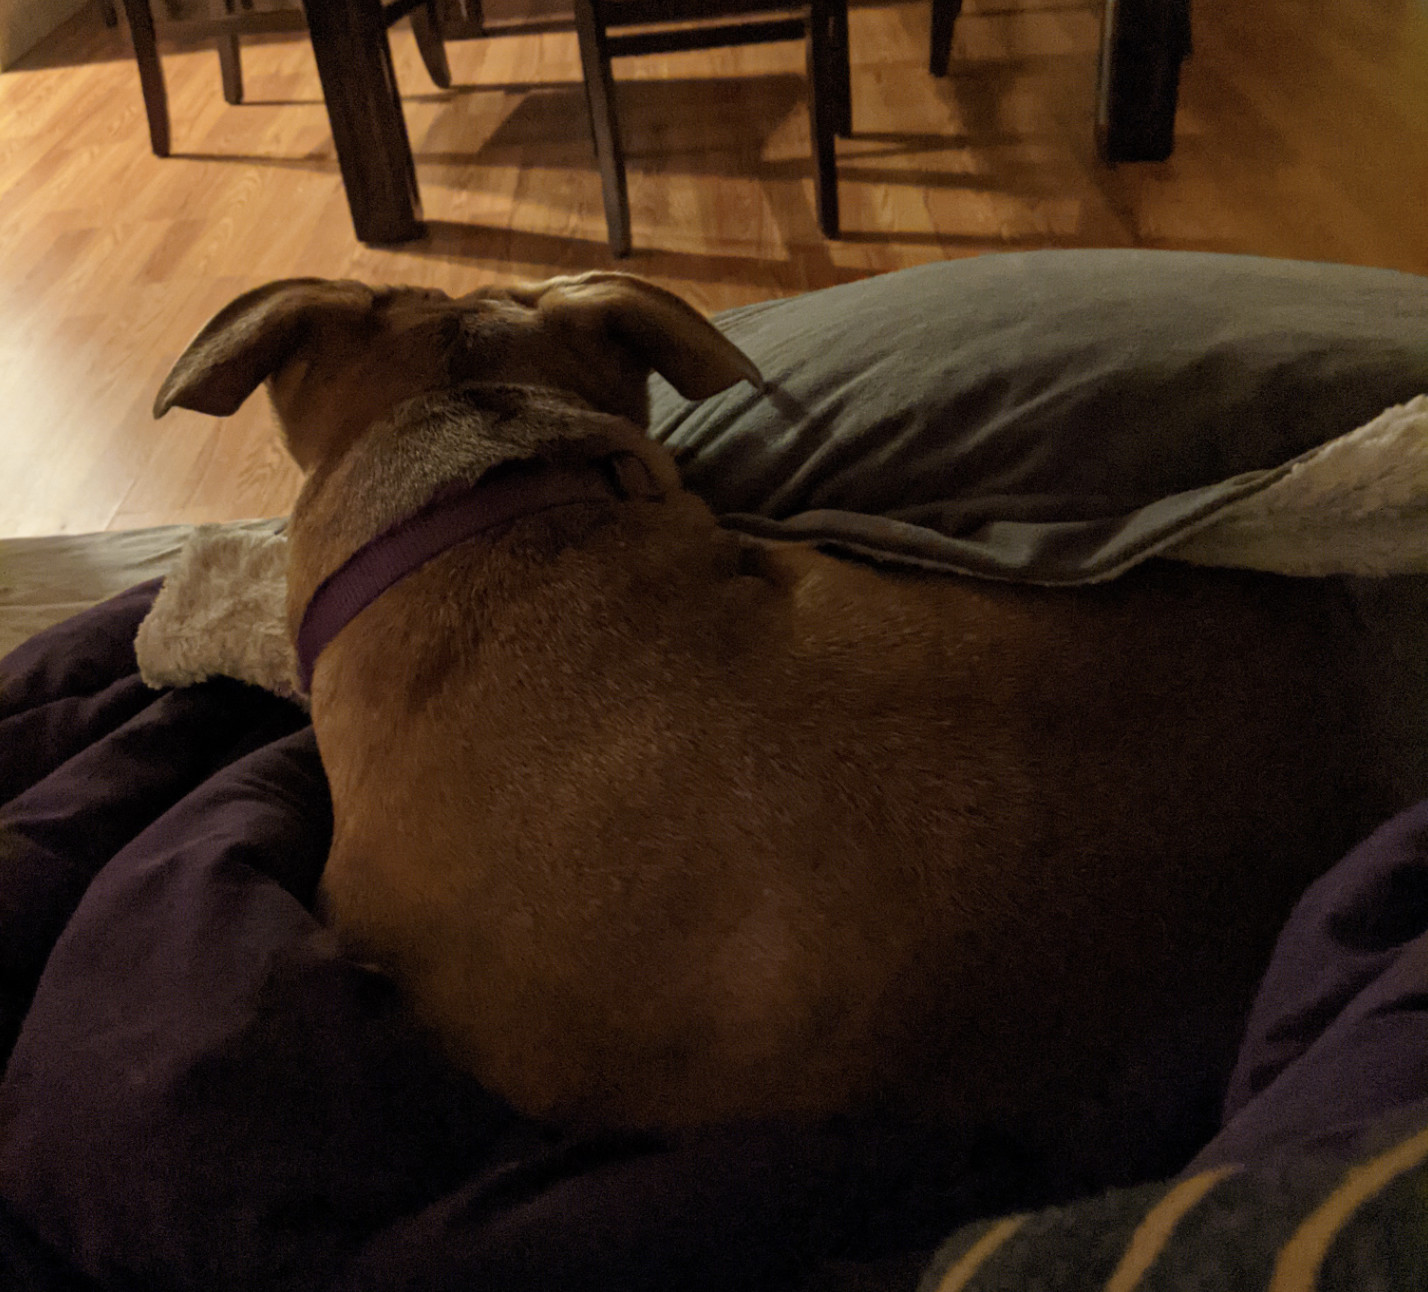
pixel 201 1093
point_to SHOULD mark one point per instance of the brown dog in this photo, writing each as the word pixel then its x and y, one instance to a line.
pixel 659 826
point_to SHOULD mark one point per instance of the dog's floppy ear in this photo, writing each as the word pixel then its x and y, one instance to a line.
pixel 662 331
pixel 251 338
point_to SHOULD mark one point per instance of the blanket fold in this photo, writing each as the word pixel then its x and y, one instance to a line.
pixel 1354 505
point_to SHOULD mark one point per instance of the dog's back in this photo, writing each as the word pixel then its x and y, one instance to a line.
pixel 687 829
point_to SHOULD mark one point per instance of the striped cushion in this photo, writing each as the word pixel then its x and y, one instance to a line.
pixel 1306 1224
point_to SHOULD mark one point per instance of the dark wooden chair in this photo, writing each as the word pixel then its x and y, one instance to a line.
pixel 609 29
pixel 226 26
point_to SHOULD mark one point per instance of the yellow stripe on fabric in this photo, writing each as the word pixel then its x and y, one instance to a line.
pixel 1155 1230
pixel 961 1273
pixel 1297 1269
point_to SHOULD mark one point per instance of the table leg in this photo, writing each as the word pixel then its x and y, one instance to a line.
pixel 354 63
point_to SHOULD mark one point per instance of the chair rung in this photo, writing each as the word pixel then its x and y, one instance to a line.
pixel 644 13
pixel 629 44
pixel 246 23
pixel 466 29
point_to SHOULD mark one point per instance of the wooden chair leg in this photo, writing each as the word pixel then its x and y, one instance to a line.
pixel 230 64
pixel 824 110
pixel 151 73
pixel 426 27
pixel 600 98
pixel 944 19
pixel 842 71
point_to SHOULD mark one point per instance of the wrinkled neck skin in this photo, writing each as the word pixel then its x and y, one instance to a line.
pixel 434 442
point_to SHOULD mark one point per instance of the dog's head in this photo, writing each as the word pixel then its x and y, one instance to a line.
pixel 339 356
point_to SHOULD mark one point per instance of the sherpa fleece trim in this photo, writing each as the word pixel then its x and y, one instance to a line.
pixel 222 612
pixel 1355 505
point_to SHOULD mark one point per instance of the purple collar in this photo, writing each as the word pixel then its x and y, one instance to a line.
pixel 453 516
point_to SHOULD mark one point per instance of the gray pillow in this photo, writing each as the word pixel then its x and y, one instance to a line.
pixel 1052 416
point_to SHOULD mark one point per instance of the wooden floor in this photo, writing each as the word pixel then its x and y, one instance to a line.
pixel 1303 132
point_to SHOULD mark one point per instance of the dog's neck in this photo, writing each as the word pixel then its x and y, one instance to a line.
pixel 487 508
